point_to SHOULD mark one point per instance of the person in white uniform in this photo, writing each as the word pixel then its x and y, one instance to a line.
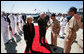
pixel 63 22
pixel 58 18
pixel 4 28
pixel 20 21
pixel 16 23
pixel 12 24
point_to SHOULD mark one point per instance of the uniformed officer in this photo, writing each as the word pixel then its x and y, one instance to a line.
pixel 17 29
pixel 55 25
pixel 9 28
pixel 20 24
pixel 63 23
pixel 4 28
pixel 58 18
pixel 12 24
pixel 73 25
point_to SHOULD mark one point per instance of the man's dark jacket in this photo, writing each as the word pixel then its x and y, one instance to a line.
pixel 42 25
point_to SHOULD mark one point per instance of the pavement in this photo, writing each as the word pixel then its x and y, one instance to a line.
pixel 19 45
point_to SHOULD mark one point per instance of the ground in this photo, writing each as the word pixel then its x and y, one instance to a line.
pixel 19 45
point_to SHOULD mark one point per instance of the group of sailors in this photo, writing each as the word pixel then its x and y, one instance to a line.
pixel 65 27
pixel 11 25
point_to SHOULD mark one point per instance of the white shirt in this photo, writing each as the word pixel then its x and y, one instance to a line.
pixel 12 19
pixel 63 22
pixel 4 23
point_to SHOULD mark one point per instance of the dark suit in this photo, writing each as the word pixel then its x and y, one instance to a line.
pixel 29 35
pixel 42 29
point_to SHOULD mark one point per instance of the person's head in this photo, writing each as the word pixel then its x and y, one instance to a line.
pixel 16 14
pixel 42 15
pixel 64 15
pixel 3 13
pixel 29 19
pixel 53 16
pixel 72 11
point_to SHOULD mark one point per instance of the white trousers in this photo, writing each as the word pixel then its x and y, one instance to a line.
pixel 13 28
pixel 5 35
pixel 62 31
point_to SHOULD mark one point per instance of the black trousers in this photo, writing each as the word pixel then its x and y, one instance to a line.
pixel 42 35
pixel 29 45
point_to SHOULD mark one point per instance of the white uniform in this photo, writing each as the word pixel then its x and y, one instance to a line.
pixel 58 18
pixel 21 24
pixel 16 27
pixel 11 17
pixel 63 22
pixel 4 30
pixel 49 22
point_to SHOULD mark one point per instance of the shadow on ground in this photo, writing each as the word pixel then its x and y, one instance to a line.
pixel 58 50
pixel 51 47
pixel 11 47
pixel 18 38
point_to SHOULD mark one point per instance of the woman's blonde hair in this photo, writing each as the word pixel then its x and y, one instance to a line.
pixel 29 17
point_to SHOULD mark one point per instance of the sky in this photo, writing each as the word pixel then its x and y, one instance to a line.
pixel 40 6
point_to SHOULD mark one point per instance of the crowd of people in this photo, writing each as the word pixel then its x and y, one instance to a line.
pixel 65 27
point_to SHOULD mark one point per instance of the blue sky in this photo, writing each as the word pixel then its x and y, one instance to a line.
pixel 29 6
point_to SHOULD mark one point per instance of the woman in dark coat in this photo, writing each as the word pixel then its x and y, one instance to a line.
pixel 29 33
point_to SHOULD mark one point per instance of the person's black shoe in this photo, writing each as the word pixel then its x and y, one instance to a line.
pixel 61 37
pixel 7 43
pixel 64 33
pixel 54 49
pixel 26 51
pixel 46 43
pixel 13 40
pixel 15 34
pixel 33 51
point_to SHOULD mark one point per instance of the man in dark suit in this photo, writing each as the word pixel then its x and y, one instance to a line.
pixel 42 27
pixel 29 33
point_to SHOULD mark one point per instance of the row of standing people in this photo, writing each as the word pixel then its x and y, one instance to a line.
pixel 70 26
pixel 11 25
pixel 43 23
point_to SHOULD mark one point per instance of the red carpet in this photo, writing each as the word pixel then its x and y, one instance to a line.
pixel 36 45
